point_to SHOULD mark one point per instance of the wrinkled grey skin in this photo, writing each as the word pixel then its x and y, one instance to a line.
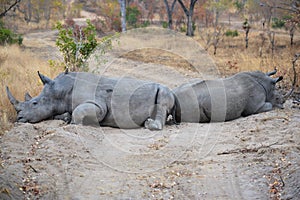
pixel 226 99
pixel 90 99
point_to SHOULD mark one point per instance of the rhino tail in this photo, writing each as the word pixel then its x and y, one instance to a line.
pixel 176 112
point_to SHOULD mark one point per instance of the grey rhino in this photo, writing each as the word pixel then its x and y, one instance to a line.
pixel 226 99
pixel 91 99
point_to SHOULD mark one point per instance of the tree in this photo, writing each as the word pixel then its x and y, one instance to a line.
pixel 7 5
pixel 189 14
pixel 123 14
pixel 170 12
pixel 292 8
pixel 219 6
pixel 110 10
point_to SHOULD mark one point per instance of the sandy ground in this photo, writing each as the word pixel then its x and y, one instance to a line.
pixel 256 157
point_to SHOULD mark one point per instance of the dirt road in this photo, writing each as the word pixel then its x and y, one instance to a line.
pixel 256 157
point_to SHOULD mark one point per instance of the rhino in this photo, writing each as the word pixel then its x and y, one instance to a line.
pixel 91 99
pixel 226 99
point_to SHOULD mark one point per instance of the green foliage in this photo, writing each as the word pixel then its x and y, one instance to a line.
pixel 9 37
pixel 277 23
pixel 76 44
pixel 132 14
pixel 239 5
pixel 183 27
pixel 145 24
pixel 194 26
pixel 165 24
pixel 232 33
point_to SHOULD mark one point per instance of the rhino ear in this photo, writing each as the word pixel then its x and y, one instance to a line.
pixel 276 80
pixel 45 79
pixel 27 97
pixel 67 70
pixel 272 72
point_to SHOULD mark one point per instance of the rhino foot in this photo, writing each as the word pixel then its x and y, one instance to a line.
pixel 65 117
pixel 153 124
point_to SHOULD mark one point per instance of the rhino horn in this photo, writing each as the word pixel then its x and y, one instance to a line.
pixel 271 73
pixel 44 79
pixel 12 99
pixel 27 96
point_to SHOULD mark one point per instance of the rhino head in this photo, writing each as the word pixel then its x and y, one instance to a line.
pixel 273 96
pixel 49 103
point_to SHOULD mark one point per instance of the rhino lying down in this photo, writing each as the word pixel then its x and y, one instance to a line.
pixel 92 99
pixel 226 99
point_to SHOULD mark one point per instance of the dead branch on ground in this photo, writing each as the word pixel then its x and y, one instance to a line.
pixel 246 150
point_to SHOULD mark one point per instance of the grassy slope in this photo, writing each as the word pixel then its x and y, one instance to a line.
pixel 19 71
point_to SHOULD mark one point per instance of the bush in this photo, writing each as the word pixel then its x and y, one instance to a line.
pixel 145 24
pixel 232 33
pixel 165 24
pixel 132 14
pixel 183 27
pixel 8 37
pixel 76 43
pixel 277 23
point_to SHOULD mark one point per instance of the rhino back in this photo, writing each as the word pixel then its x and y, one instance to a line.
pixel 130 103
pixel 222 99
pixel 219 100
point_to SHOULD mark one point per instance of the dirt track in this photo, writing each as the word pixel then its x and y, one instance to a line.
pixel 249 158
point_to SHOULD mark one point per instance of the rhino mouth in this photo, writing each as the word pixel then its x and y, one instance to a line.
pixel 21 119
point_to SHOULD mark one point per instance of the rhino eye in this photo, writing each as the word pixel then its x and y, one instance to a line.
pixel 34 103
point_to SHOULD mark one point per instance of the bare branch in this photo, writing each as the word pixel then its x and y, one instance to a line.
pixel 183 7
pixel 9 8
pixel 246 150
pixel 296 57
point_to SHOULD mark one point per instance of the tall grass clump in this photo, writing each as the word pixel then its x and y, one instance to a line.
pixel 19 71
pixel 7 36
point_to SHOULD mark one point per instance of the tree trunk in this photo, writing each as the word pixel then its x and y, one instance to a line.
pixel 123 14
pixel 189 14
pixel 190 30
pixel 292 31
pixel 170 12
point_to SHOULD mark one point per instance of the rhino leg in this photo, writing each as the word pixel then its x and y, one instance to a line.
pixel 89 113
pixel 65 117
pixel 164 104
pixel 267 106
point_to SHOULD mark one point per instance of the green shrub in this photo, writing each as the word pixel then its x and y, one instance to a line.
pixel 145 24
pixel 165 24
pixel 9 37
pixel 183 28
pixel 232 33
pixel 194 26
pixel 132 14
pixel 277 23
pixel 76 44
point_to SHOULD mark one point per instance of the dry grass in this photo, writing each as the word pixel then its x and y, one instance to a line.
pixel 233 57
pixel 19 71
